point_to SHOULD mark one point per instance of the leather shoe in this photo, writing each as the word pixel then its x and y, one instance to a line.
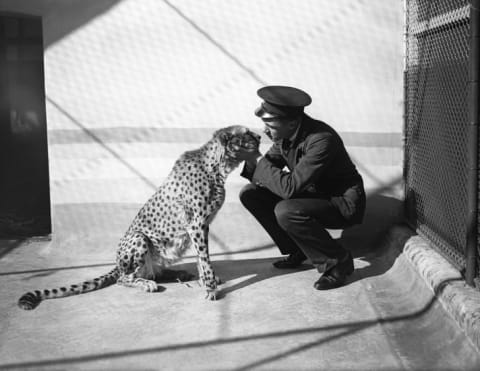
pixel 337 275
pixel 292 261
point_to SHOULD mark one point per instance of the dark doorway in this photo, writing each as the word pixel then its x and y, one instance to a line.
pixel 24 179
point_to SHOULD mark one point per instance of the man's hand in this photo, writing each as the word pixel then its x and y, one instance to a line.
pixel 248 155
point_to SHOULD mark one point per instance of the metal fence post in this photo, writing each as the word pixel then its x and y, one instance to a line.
pixel 472 218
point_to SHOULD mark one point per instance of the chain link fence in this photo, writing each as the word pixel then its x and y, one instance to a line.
pixel 437 123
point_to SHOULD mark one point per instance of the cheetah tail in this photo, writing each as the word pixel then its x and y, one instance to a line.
pixel 31 299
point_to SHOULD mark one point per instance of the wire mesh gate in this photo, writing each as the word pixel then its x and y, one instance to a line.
pixel 437 123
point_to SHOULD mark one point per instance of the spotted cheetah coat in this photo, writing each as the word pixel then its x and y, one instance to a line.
pixel 175 218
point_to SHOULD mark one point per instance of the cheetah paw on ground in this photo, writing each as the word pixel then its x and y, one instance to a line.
pixel 211 295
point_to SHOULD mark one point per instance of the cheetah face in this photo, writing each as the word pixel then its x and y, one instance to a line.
pixel 235 137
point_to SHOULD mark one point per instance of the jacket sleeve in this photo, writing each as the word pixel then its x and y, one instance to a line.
pixel 319 152
pixel 273 155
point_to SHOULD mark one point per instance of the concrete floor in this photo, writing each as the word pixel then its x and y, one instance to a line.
pixel 385 318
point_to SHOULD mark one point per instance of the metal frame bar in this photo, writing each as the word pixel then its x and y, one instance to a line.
pixel 472 217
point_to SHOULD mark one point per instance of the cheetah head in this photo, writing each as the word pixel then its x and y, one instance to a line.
pixel 232 138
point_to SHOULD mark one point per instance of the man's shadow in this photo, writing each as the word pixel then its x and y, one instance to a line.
pixel 369 241
pixel 366 241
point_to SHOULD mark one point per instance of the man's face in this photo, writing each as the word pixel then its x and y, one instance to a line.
pixel 279 129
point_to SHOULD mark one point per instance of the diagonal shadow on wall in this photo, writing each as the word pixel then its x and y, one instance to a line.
pixel 214 42
pixel 70 15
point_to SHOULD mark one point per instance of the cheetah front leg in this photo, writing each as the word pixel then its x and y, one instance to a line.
pixel 199 237
pixel 216 201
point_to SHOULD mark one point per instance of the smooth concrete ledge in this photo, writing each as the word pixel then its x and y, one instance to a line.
pixel 461 301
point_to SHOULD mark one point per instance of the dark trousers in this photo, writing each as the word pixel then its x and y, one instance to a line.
pixel 297 224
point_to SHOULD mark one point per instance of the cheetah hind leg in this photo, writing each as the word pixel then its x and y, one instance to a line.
pixel 131 280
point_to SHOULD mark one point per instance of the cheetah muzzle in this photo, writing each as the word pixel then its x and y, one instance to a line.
pixel 175 218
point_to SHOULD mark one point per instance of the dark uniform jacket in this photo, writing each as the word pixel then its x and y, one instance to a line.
pixel 315 164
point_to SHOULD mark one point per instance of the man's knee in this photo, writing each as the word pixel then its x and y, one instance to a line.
pixel 247 194
pixel 287 214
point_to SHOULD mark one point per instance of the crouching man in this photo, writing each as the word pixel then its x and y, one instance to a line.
pixel 304 184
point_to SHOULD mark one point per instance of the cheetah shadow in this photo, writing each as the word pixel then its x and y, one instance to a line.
pixel 256 269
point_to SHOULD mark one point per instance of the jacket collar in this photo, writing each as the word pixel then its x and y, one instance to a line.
pixel 299 134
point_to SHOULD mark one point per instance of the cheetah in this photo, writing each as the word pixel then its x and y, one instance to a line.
pixel 174 219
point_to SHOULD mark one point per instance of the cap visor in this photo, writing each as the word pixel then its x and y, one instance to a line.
pixel 263 114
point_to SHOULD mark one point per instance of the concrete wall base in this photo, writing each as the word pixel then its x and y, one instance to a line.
pixel 461 301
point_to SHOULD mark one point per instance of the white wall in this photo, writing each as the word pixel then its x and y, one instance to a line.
pixel 131 84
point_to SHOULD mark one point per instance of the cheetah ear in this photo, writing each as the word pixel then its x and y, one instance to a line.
pixel 223 136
